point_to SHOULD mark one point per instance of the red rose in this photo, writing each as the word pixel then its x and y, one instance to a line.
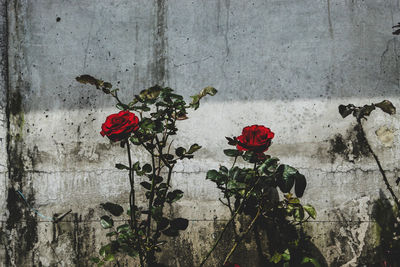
pixel 256 138
pixel 120 125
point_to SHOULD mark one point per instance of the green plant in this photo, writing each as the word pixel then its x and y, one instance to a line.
pixel 159 110
pixel 248 191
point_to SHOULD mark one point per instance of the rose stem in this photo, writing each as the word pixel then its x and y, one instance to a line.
pixel 133 222
pixel 170 168
pixel 151 198
pixel 227 224
pixel 242 236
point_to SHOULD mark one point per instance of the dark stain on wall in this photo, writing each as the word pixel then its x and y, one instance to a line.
pixel 351 147
pixel 21 224
pixel 159 69
pixel 84 238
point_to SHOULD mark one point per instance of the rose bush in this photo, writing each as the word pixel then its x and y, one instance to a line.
pixel 120 125
pixel 149 226
pixel 256 138
pixel 252 191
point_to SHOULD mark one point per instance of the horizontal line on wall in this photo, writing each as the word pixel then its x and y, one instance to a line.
pixel 192 220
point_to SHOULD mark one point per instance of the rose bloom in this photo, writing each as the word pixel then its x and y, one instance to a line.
pixel 120 125
pixel 256 138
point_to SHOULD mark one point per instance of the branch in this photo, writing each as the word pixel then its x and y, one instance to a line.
pixel 378 163
pixel 242 235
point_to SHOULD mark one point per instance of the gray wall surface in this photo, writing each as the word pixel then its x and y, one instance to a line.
pixel 286 64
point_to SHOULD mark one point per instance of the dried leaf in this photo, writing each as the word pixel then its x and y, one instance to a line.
pixel 387 106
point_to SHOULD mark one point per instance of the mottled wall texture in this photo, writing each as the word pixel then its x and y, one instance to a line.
pixel 286 64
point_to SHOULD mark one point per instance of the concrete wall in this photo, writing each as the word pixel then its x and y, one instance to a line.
pixel 286 64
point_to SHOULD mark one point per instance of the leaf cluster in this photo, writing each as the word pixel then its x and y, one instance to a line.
pixel 364 111
pixel 253 185
pixel 252 190
pixel 122 239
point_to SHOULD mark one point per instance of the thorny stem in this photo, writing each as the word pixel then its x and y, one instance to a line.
pixel 378 163
pixel 229 222
pixel 133 221
pixel 242 235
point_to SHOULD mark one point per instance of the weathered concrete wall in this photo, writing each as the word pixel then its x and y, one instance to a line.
pixel 286 64
pixel 3 124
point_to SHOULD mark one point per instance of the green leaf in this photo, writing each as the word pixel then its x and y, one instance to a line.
pixel 193 148
pixel 159 127
pixel 250 156
pixel 91 80
pixel 135 140
pixel 174 196
pixel 121 106
pixel 171 232
pixel 150 93
pixel 146 185
pixel 269 165
pixel 307 260
pixel 95 260
pixel 112 208
pixel 120 166
pixel 234 173
pixel 162 223
pixel 179 223
pixel 298 214
pixel 235 185
pixel 136 166
pixel 109 257
pixel 105 250
pixel 286 255
pixel 168 157
pixel 231 141
pixel 111 234
pixel 213 175
pixel 285 177
pixel 147 124
pixel 143 108
pixel 223 169
pixel 123 228
pixel 310 210
pixel 180 151
pixel 232 152
pixel 157 179
pixel 147 168
pixel 106 222
pixel 387 106
pixel 276 257
pixel 300 185
pixel 196 98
